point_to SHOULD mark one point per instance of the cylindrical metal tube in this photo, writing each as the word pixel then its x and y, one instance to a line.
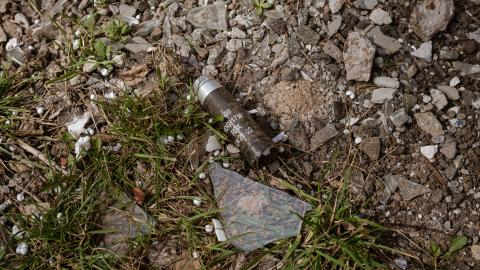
pixel 257 148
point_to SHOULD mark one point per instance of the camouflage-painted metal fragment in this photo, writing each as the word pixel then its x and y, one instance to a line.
pixel 254 214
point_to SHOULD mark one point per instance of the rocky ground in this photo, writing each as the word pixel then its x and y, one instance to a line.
pixel 390 87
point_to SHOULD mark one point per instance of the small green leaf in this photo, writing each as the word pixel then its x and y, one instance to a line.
pixel 435 249
pixel 266 5
pixel 259 10
pixel 457 243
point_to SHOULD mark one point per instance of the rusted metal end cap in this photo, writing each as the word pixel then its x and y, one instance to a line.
pixel 204 85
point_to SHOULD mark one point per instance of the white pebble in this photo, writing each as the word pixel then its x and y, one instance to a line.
pixel 209 228
pixel 358 140
pixel 281 149
pixel 76 44
pixel 110 95
pixel 8 122
pixel 40 110
pixel 197 201
pixel 20 197
pixel 426 99
pixel 16 231
pixel 216 153
pixel 30 48
pixel 170 139
pixel 14 113
pixel 350 94
pixel 3 206
pixel 151 49
pixel 104 72
pixel 90 131
pixel 189 97
pixel 211 159
pixel 93 96
pixel 454 81
pixel 59 215
pixel 210 120
pixel 346 131
pixel 226 164
pixel 219 232
pixel 137 17
pixel 202 175
pixel 77 33
pixel 195 255
pixel 22 249
pixel 36 21
pixel 180 137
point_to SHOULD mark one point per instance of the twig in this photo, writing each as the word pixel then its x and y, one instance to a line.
pixel 40 156
pixel 438 176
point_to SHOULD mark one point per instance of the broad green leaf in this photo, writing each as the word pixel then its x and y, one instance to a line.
pixel 457 243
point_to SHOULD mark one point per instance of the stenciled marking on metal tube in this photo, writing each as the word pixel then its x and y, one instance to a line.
pixel 234 126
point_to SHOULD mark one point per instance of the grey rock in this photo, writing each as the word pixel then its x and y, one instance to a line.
pixel 430 17
pixel 439 99
pixel 210 16
pixel 333 51
pixel 475 35
pixel 237 33
pixel 138 44
pixel 334 25
pixel 451 92
pixel 22 20
pixel 213 144
pixel 215 54
pixel 3 6
pixel 449 149
pixel 466 69
pixel 424 51
pixel 125 224
pixel 391 182
pixel 297 137
pixel 307 35
pixel 365 4
pixel 437 195
pixel 380 17
pixel 399 117
pixel 3 36
pixel 386 82
pixel 450 172
pixel 145 28
pixel 127 10
pixel 335 5
pixel 358 57
pixel 389 44
pixel 371 147
pixel 380 95
pixel 322 136
pixel 410 189
pixel 401 263
pixel 429 123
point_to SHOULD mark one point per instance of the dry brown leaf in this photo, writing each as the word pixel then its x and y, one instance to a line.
pixel 135 75
pixel 138 195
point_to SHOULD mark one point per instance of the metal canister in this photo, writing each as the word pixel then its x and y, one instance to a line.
pixel 257 148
